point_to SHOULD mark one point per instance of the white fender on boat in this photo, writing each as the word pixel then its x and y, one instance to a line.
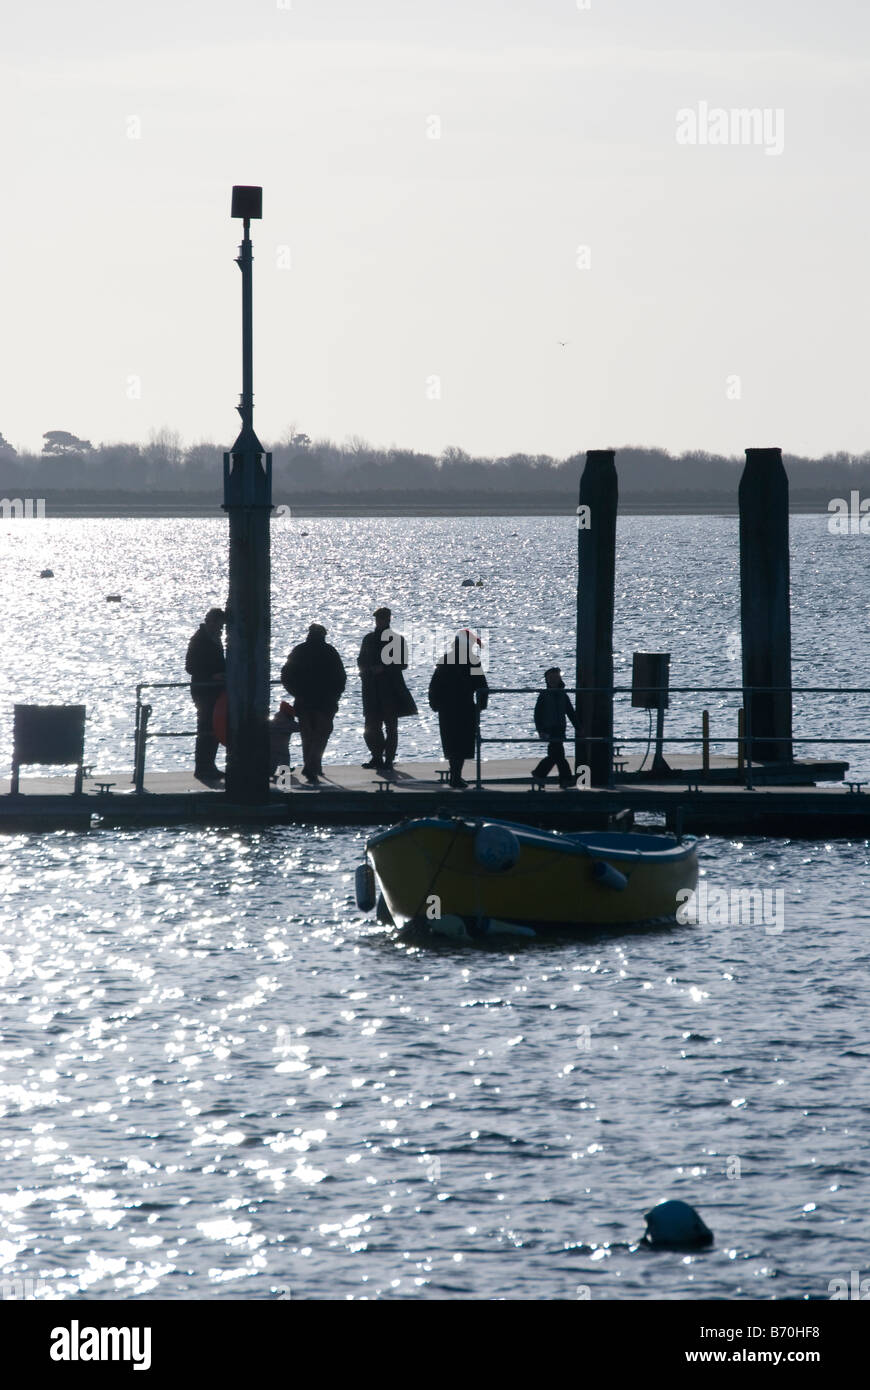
pixel 496 848
pixel 607 876
pixel 449 925
pixel 496 928
pixel 364 884
pixel 676 1225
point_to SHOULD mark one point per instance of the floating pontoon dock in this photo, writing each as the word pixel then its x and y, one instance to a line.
pixel 350 796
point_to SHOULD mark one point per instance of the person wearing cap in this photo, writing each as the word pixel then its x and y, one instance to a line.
pixel 206 665
pixel 314 675
pixel 386 698
pixel 457 690
pixel 553 709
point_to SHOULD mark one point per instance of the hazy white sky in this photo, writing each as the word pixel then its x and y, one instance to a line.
pixel 722 301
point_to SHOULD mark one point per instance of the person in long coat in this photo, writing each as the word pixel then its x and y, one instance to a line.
pixel 206 665
pixel 457 690
pixel 314 675
pixel 386 698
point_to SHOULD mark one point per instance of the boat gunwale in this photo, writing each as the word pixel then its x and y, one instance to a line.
pixel 561 842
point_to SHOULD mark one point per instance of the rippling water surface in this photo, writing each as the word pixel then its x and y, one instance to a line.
pixel 217 1079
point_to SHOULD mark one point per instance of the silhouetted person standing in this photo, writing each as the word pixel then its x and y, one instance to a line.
pixel 386 698
pixel 206 664
pixel 553 709
pixel 315 676
pixel 457 690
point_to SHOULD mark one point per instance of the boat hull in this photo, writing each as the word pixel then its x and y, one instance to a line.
pixel 429 869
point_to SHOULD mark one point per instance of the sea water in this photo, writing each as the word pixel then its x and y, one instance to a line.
pixel 219 1080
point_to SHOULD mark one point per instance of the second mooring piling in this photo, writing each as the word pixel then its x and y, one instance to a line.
pixel 765 611
pixel 596 570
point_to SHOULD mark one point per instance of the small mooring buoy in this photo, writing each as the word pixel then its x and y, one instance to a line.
pixel 467 584
pixel 46 574
pixel 113 598
pixel 675 1225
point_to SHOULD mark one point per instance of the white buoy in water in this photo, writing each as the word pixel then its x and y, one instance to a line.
pixel 364 884
pixel 675 1225
pixel 496 848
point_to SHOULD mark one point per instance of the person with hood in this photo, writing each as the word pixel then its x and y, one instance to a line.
pixel 315 676
pixel 457 690
pixel 553 709
pixel 206 665
pixel 386 698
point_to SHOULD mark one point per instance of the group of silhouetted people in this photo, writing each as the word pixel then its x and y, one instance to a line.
pixel 314 676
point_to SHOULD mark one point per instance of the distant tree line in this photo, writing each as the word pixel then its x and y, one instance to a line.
pixel 319 470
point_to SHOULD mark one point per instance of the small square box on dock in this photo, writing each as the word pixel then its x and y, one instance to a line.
pixel 247 200
pixel 649 680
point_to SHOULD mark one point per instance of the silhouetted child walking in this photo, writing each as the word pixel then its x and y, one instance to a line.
pixel 552 712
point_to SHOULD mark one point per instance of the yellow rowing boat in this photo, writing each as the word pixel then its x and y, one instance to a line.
pixel 492 875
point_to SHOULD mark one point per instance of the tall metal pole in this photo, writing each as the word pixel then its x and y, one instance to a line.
pixel 248 504
pixel 245 262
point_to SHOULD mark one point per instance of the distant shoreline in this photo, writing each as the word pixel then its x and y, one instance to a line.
pixel 111 509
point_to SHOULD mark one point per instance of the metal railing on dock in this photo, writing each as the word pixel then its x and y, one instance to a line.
pixel 743 741
pixel 141 732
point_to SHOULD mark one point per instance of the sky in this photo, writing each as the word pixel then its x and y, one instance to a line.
pixel 516 226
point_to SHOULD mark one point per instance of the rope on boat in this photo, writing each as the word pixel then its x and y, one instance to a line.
pixel 456 834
